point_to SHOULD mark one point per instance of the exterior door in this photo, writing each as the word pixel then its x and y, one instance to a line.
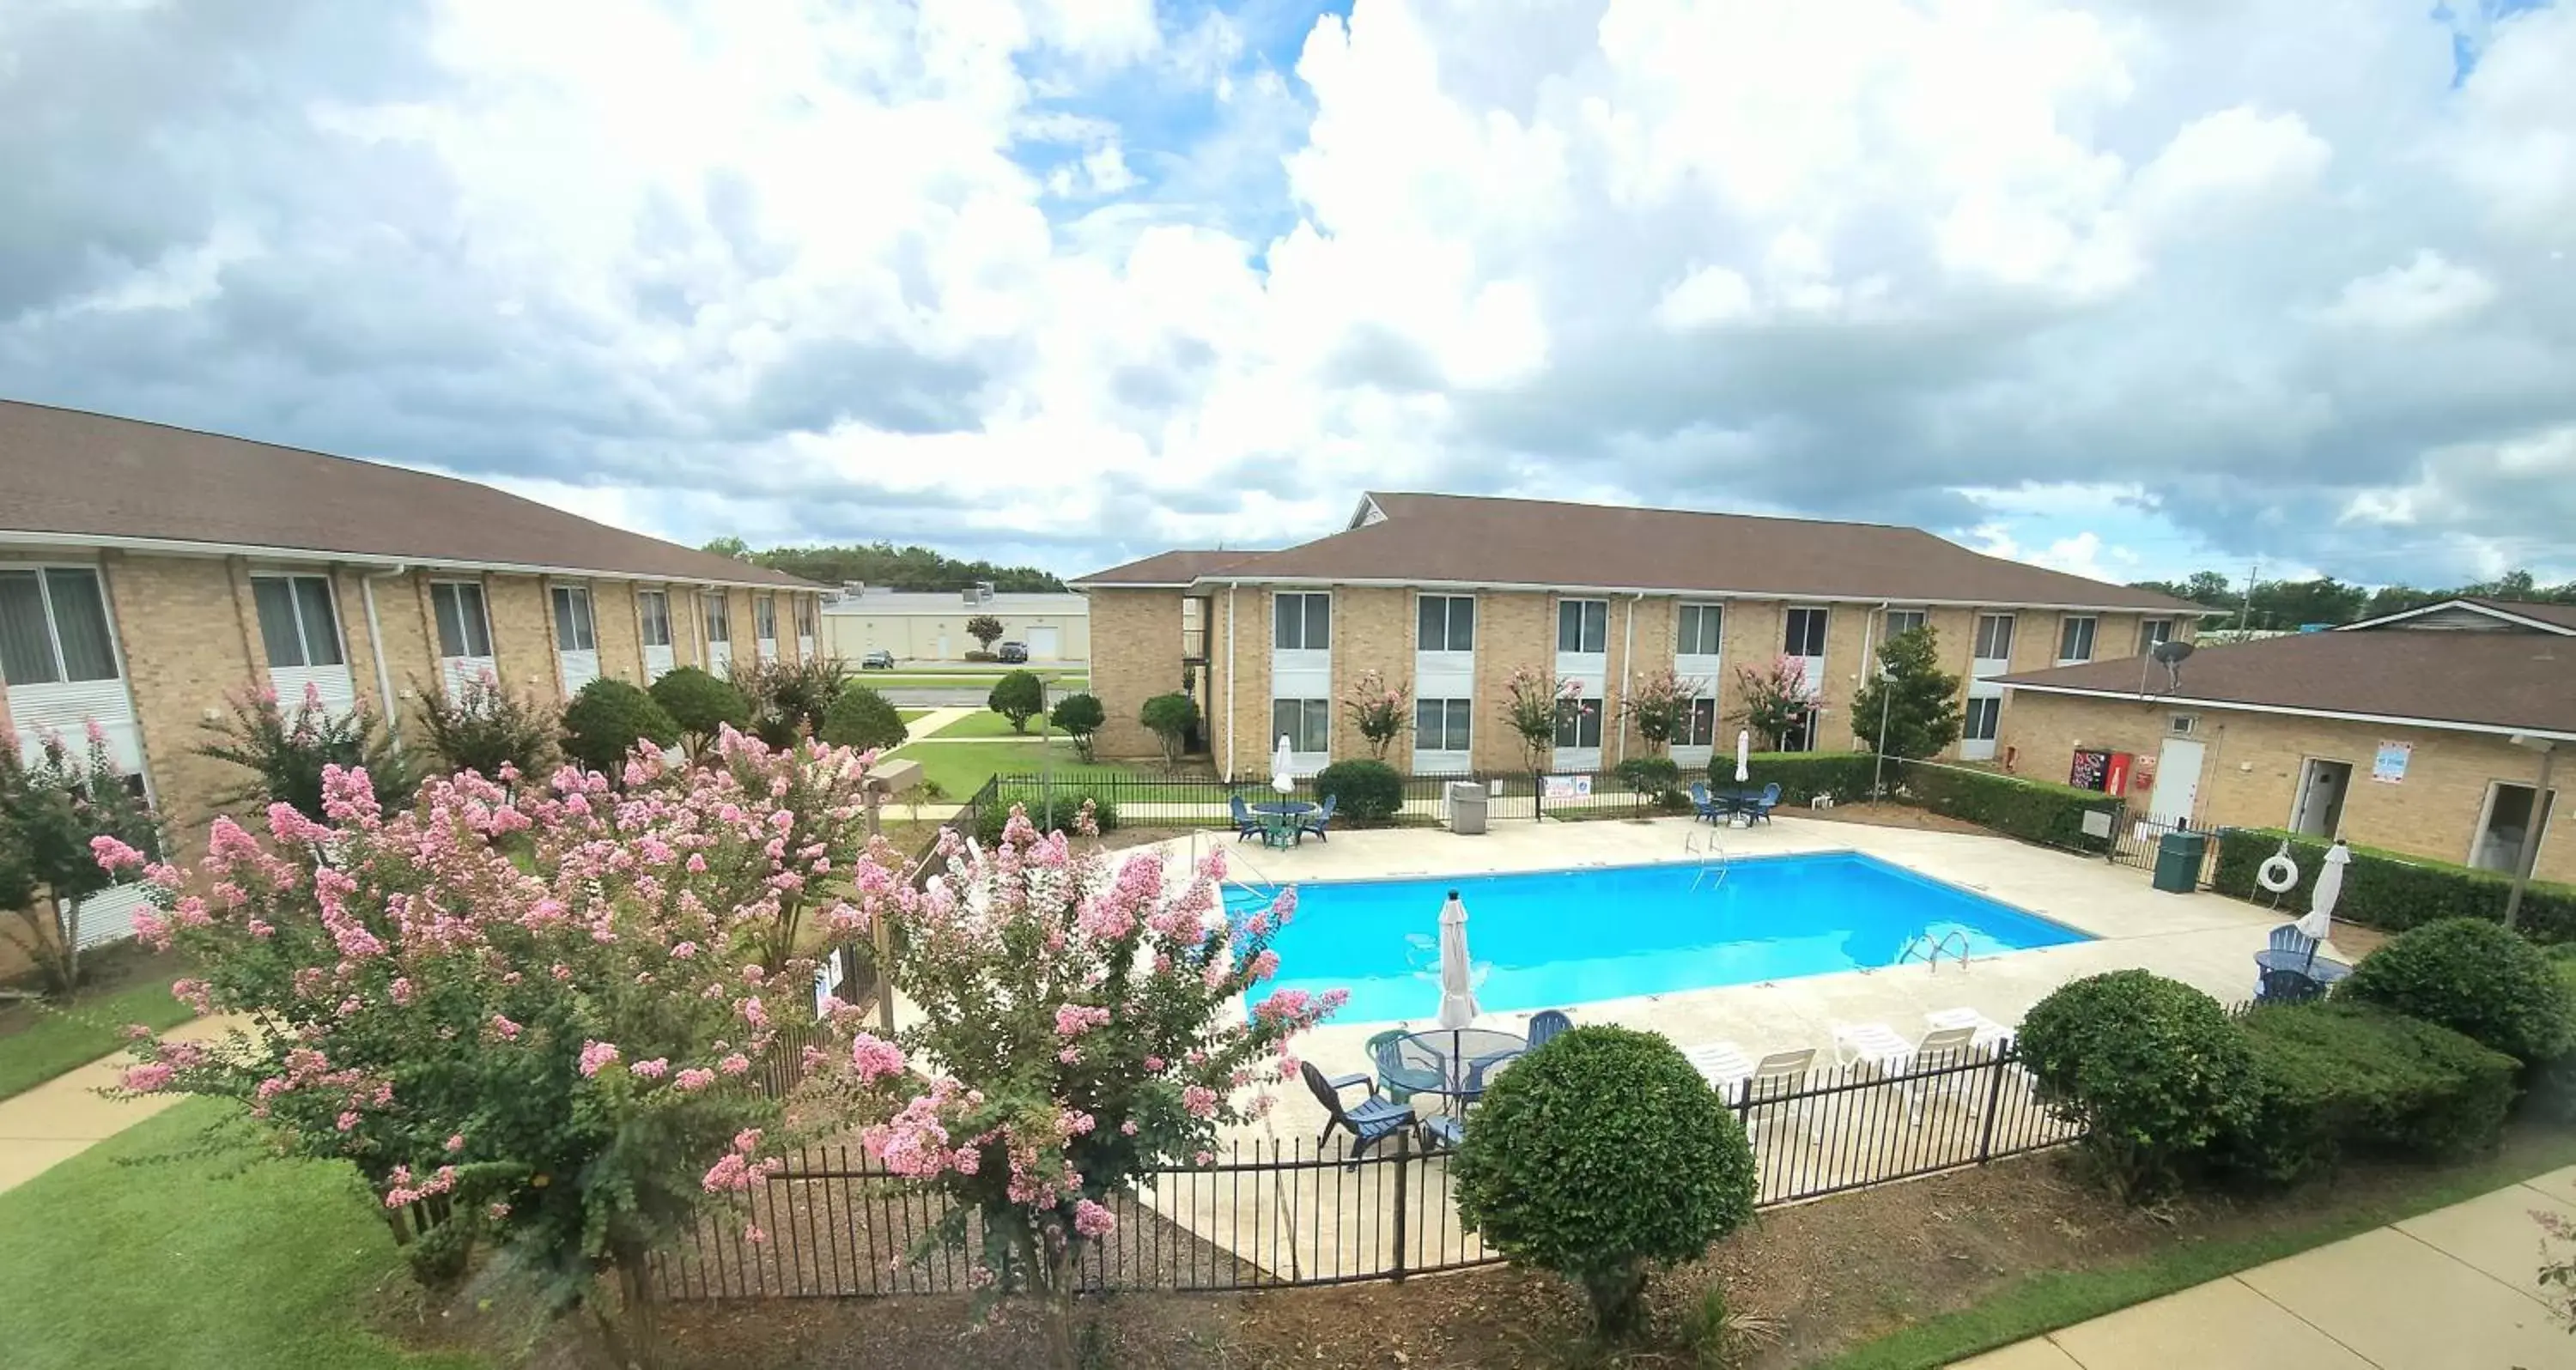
pixel 2177 782
pixel 2319 812
pixel 1045 644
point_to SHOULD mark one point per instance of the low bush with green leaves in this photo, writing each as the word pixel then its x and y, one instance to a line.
pixel 1018 696
pixel 864 719
pixel 2331 1080
pixel 604 722
pixel 2391 891
pixel 2151 1068
pixel 1369 791
pixel 1051 808
pixel 2553 1086
pixel 1598 1155
pixel 2476 977
pixel 1801 776
pixel 1171 718
pixel 2032 810
pixel 1656 779
pixel 483 728
pixel 285 748
pixel 1079 716
pixel 701 704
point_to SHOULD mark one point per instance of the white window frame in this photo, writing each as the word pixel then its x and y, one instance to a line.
pixel 294 581
pixel 1302 759
pixel 1917 618
pixel 1689 736
pixel 1306 600
pixel 1973 747
pixel 1582 620
pixel 1581 717
pixel 2092 625
pixel 1687 643
pixel 644 618
pixel 1820 613
pixel 2152 631
pixel 561 596
pixel 1977 643
pixel 460 670
pixel 1448 624
pixel 53 624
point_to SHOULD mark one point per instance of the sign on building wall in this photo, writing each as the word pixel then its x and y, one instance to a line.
pixel 2389 766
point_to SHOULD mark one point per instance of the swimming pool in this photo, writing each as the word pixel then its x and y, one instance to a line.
pixel 1551 938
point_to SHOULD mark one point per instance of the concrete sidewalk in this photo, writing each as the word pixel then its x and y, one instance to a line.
pixel 2451 1290
pixel 65 1116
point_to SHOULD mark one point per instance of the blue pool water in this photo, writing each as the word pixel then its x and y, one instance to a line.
pixel 1553 938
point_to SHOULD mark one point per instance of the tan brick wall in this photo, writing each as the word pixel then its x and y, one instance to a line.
pixel 1245 749
pixel 523 634
pixel 180 625
pixel 1139 632
pixel 1372 627
pixel 1513 631
pixel 612 618
pixel 2252 763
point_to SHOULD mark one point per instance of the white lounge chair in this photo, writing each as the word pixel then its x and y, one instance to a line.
pixel 1877 1045
pixel 1986 1033
pixel 1759 1086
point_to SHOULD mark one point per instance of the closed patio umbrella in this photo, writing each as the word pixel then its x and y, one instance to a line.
pixel 1457 976
pixel 1743 755
pixel 2318 921
pixel 1281 764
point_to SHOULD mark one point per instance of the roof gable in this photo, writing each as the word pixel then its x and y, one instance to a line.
pixel 2472 613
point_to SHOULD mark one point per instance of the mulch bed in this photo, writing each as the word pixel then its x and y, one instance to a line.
pixel 1832 1273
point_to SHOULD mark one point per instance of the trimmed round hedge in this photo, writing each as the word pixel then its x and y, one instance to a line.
pixel 700 703
pixel 1599 1153
pixel 862 718
pixel 2150 1067
pixel 2474 977
pixel 1370 791
pixel 604 722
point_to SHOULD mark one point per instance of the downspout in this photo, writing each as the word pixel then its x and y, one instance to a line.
pixel 1230 588
pixel 1627 671
pixel 376 645
pixel 1878 755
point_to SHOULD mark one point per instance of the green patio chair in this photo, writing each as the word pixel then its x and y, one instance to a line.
pixel 1380 1048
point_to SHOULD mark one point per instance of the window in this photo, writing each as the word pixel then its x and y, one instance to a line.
pixel 764 618
pixel 1583 626
pixel 711 606
pixel 53 627
pixel 572 620
pixel 653 609
pixel 2183 725
pixel 1806 635
pixel 462 628
pixel 1903 621
pixel 804 615
pixel 2153 631
pixel 1302 623
pixel 295 620
pixel 1440 725
pixel 1699 630
pixel 1699 725
pixel 1994 637
pixel 1983 714
pixel 1578 722
pixel 1445 623
pixel 2075 639
pixel 1306 723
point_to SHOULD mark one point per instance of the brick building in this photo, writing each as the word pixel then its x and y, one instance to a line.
pixel 1451 594
pixel 2420 733
pixel 147 572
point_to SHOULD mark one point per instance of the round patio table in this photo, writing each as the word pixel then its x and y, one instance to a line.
pixel 1452 1062
pixel 1287 821
pixel 2320 969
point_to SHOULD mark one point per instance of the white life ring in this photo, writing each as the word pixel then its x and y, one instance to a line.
pixel 2278 872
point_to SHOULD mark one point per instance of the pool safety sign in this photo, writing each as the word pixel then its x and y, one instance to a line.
pixel 1569 787
pixel 2389 766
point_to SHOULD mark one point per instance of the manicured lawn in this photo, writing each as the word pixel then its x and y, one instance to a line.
pixel 2045 1302
pixel 207 1261
pixel 47 1043
pixel 961 768
pixel 986 723
pixel 910 715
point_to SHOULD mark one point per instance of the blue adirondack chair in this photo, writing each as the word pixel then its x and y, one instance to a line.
pixel 1702 806
pixel 1544 1026
pixel 1314 822
pixel 1760 809
pixel 1369 1123
pixel 1246 822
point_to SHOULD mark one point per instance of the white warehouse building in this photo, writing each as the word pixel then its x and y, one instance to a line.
pixel 931 627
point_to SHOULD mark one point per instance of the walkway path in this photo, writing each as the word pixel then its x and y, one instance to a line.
pixel 65 1116
pixel 2453 1288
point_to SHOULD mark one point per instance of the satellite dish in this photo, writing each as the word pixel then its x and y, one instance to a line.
pixel 2171 651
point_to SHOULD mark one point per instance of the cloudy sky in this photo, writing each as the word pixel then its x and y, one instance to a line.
pixel 2128 287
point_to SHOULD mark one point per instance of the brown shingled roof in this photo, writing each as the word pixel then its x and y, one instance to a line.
pixel 91 476
pixel 1170 568
pixel 1477 540
pixel 2498 681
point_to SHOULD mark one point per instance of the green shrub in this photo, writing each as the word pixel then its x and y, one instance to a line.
pixel 1065 801
pixel 976 654
pixel 1597 1154
pixel 1656 779
pixel 2478 978
pixel 1078 716
pixel 485 728
pixel 1801 776
pixel 1371 791
pixel 2333 1079
pixel 604 722
pixel 2032 810
pixel 2553 1086
pixel 2151 1069
pixel 2392 892
pixel 1018 696
pixel 285 748
pixel 864 719
pixel 700 704
pixel 1170 718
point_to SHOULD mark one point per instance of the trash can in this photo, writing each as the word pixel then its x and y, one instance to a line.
pixel 2178 856
pixel 1466 807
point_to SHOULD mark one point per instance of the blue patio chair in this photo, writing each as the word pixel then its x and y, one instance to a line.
pixel 1703 807
pixel 1371 1122
pixel 1381 1049
pixel 2288 938
pixel 1314 822
pixel 1246 822
pixel 1544 1026
pixel 1483 1066
pixel 2283 986
pixel 1442 1131
pixel 1759 810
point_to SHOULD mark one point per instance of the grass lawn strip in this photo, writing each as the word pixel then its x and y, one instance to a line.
pixel 986 723
pixel 961 768
pixel 138 1252
pixel 2045 1302
pixel 49 1042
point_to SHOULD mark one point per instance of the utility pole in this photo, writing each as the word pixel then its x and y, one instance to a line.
pixel 2253 572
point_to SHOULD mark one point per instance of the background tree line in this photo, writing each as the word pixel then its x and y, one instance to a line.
pixel 884 564
pixel 2286 604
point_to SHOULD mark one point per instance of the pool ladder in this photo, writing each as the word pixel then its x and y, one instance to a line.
pixel 1712 860
pixel 1954 942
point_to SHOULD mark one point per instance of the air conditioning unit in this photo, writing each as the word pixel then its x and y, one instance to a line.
pixel 978 594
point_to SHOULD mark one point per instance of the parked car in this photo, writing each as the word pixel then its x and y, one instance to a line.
pixel 1012 651
pixel 878 660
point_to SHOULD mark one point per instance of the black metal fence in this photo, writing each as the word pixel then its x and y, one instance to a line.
pixel 1200 801
pixel 833 1224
